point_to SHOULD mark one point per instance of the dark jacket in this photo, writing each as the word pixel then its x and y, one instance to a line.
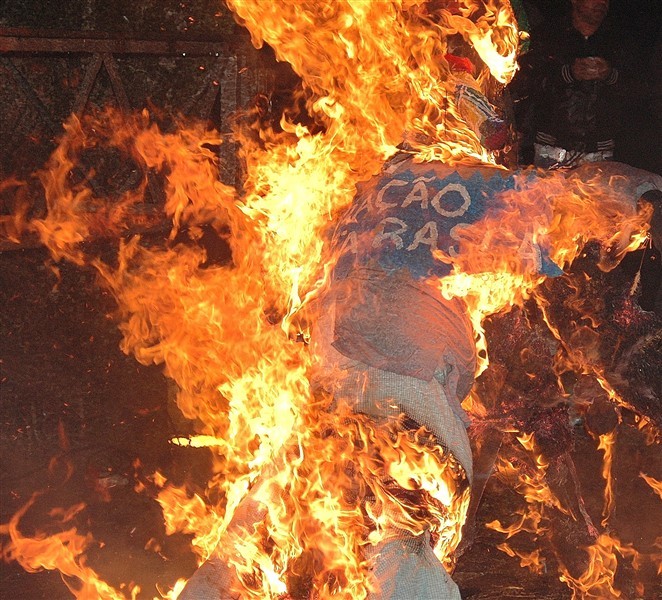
pixel 576 115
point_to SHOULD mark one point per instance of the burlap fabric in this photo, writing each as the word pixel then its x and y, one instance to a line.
pixel 383 394
pixel 405 567
pixel 214 580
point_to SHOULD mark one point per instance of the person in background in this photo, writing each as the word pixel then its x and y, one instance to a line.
pixel 572 87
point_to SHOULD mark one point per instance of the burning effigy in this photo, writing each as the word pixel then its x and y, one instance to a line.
pixel 329 367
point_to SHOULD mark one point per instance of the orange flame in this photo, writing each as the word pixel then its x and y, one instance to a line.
pixel 607 441
pixel 530 483
pixel 63 551
pixel 653 483
pixel 597 581
pixel 530 560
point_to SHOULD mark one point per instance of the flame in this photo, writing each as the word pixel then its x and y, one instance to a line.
pixel 529 481
pixel 498 263
pixel 654 483
pixel 376 71
pixel 650 431
pixel 597 575
pixel 607 441
pixel 302 493
pixel 174 593
pixel 15 225
pixel 597 581
pixel 63 551
pixel 530 560
pixel 494 36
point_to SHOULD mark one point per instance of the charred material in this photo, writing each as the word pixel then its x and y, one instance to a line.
pixel 604 330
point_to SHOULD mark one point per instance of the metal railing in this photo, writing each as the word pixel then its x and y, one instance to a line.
pixel 47 75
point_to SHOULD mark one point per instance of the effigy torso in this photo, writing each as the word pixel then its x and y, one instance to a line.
pixel 390 244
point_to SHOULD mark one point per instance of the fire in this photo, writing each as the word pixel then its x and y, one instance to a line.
pixel 530 483
pixel 64 551
pixel 376 71
pixel 301 494
pixel 493 35
pixel 530 560
pixel 654 483
pixel 596 575
pixel 597 581
pixel 555 210
pixel 607 441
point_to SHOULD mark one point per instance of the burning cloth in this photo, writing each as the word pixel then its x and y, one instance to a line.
pixel 393 349
pixel 391 344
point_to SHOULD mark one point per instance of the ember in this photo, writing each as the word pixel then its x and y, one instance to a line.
pixel 338 465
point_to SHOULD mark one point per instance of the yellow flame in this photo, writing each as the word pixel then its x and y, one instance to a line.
pixel 606 444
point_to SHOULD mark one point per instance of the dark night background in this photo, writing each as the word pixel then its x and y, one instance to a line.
pixel 640 143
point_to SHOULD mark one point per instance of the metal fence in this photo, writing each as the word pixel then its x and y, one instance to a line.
pixel 48 75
